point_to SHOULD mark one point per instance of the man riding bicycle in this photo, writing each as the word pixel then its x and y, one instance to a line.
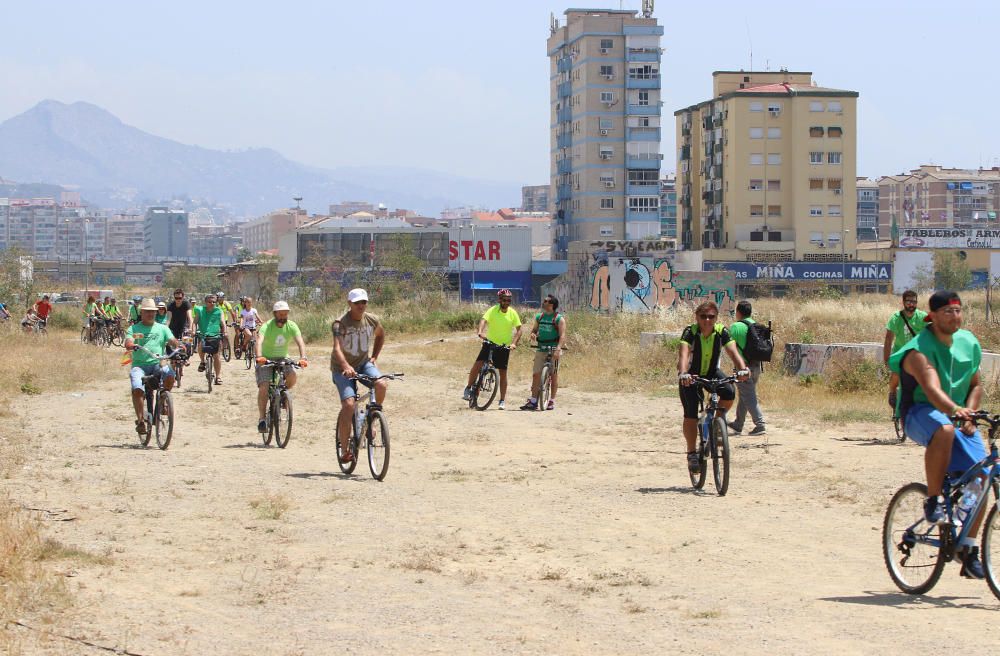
pixel 154 338
pixel 42 308
pixel 502 326
pixel 133 310
pixel 357 341
pixel 180 314
pixel 549 333
pixel 939 378
pixel 211 324
pixel 901 328
pixel 272 344
pixel 702 344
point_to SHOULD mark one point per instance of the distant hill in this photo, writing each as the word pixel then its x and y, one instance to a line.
pixel 85 147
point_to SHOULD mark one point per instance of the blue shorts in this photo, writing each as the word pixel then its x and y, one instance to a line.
pixel 348 388
pixel 136 374
pixel 923 420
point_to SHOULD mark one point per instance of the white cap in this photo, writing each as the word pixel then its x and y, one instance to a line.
pixel 356 295
pixel 279 306
pixel 161 304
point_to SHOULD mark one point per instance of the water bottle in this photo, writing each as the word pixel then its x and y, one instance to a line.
pixel 970 495
pixel 360 418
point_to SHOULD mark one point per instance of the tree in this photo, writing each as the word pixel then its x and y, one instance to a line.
pixel 17 279
pixel 952 270
pixel 193 280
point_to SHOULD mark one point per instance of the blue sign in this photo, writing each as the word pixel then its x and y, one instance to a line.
pixel 806 271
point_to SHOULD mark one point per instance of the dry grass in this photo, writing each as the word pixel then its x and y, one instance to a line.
pixel 271 506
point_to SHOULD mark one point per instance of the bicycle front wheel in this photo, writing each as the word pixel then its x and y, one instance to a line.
pixel 545 389
pixel 210 370
pixel 283 420
pixel 487 389
pixel 912 548
pixel 698 477
pixel 347 467
pixel 377 436
pixel 84 335
pixel 249 355
pixel 226 353
pixel 164 419
pixel 991 550
pixel 720 455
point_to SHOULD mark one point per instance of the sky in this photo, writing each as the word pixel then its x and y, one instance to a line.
pixel 463 88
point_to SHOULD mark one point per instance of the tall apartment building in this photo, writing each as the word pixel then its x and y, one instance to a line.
pixel 668 207
pixel 938 197
pixel 350 207
pixel 125 236
pixel 44 227
pixel 868 210
pixel 605 125
pixel 166 232
pixel 264 233
pixel 764 168
pixel 535 198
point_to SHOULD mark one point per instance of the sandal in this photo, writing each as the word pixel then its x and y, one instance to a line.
pixel 694 462
pixel 218 381
pixel 140 426
pixel 201 367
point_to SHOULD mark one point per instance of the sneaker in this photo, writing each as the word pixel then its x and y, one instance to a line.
pixel 467 394
pixel 262 426
pixel 551 405
pixel 733 429
pixel 694 463
pixel 500 405
pixel 934 510
pixel 757 430
pixel 530 405
pixel 140 426
pixel 972 567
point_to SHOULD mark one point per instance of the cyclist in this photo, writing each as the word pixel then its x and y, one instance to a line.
pixel 272 344
pixel 212 325
pixel 90 317
pixel 502 326
pixel 162 316
pixel 549 331
pixel 901 328
pixel 939 378
pixel 358 337
pixel 30 319
pixel 748 389
pixel 228 312
pixel 180 314
pixel 133 310
pixel 249 321
pixel 42 308
pixel 702 344
pixel 4 312
pixel 153 337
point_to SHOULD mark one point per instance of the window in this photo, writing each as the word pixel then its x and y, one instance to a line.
pixel 815 237
pixel 833 210
pixel 643 177
pixel 643 99
pixel 605 123
pixel 608 180
pixel 644 203
pixel 756 133
pixel 756 159
pixel 607 44
pixel 816 131
pixel 815 106
pixel 607 152
pixel 756 107
pixel 607 231
pixel 834 132
pixel 643 71
pixel 607 97
pixel 756 185
pixel 756 210
pixel 607 203
pixel 815 158
pixel 774 107
pixel 608 71
pixel 774 133
pixel 834 106
pixel 833 183
pixel 774 210
pixel 833 158
pixel 815 210
pixel 815 183
pixel 833 237
pixel 773 159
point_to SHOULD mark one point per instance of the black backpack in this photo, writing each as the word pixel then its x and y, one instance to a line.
pixel 760 343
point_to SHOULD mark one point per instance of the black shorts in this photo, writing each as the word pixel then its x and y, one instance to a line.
pixel 500 356
pixel 692 395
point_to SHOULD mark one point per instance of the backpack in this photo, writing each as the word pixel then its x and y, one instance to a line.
pixel 760 343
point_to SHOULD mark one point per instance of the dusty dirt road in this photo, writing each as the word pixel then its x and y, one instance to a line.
pixel 566 532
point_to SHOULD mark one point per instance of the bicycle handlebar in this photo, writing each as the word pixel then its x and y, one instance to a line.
pixel 282 361
pixel 979 416
pixel 369 379
pixel 713 382
pixel 178 354
pixel 495 345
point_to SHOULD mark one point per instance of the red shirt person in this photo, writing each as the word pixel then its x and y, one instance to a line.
pixel 43 307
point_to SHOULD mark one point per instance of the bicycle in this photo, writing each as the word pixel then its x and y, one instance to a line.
pixel 250 350
pixel 916 551
pixel 159 404
pixel 713 437
pixel 209 345
pixel 279 404
pixel 545 377
pixel 115 333
pixel 487 380
pixel 369 423
pixel 178 364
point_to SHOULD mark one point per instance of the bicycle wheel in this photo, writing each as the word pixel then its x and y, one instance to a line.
pixel 164 419
pixel 912 548
pixel 487 388
pixel 116 338
pixel 991 550
pixel 249 355
pixel 283 420
pixel 377 436
pixel 347 467
pixel 83 335
pixel 269 418
pixel 146 435
pixel 210 370
pixel 698 477
pixel 545 389
pixel 178 372
pixel 226 353
pixel 720 455
pixel 900 430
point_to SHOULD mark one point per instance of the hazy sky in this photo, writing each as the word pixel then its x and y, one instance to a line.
pixel 463 87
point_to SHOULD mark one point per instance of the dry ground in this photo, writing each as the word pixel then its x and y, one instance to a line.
pixel 566 532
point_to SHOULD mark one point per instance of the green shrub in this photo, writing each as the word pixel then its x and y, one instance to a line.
pixel 461 320
pixel 855 373
pixel 65 316
pixel 315 325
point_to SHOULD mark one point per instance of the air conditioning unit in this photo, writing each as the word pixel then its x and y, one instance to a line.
pixel 604 133
pixel 610 184
pixel 605 155
pixel 838 191
pixel 605 51
pixel 609 76
pixel 775 113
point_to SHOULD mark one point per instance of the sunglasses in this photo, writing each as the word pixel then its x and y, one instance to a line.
pixel 707 316
pixel 361 302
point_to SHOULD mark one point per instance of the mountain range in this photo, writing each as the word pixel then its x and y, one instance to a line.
pixel 86 148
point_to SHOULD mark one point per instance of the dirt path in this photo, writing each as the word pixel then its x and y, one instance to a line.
pixel 566 532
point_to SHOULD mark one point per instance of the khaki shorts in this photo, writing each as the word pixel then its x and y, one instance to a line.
pixel 540 362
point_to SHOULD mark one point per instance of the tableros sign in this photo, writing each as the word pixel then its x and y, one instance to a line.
pixel 949 238
pixel 805 271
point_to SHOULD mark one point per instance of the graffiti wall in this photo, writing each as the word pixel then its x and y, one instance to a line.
pixel 807 359
pixel 636 276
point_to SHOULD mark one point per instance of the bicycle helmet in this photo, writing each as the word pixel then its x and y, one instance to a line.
pixel 220 295
pixel 137 299
pixel 504 292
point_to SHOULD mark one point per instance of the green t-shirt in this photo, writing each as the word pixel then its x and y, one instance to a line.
pixel 208 322
pixel 738 331
pixel 133 313
pixel 162 318
pixel 276 340
pixel 955 365
pixel 901 334
pixel 153 337
pixel 500 325
pixel 90 309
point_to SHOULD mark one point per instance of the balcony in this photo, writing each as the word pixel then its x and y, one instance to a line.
pixel 642 215
pixel 564 140
pixel 651 189
pixel 642 54
pixel 652 109
pixel 564 114
pixel 564 64
pixel 565 89
pixel 645 134
pixel 564 166
pixel 642 83
pixel 647 161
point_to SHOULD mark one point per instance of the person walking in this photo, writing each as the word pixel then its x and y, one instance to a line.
pixel 748 401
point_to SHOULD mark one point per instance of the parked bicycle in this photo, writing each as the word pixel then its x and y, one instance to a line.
pixel 916 551
pixel 713 437
pixel 368 424
pixel 159 403
pixel 279 404
pixel 486 384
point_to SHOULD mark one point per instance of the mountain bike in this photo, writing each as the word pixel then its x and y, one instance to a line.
pixel 250 349
pixel 116 334
pixel 279 404
pixel 545 377
pixel 226 352
pixel 178 364
pixel 369 423
pixel 159 414
pixel 209 346
pixel 916 551
pixel 713 437
pixel 487 382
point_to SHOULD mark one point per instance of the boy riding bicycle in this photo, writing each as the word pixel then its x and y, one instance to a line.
pixel 550 332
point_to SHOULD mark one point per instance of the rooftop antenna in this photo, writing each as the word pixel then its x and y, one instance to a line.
pixel 297 199
pixel 750 41
pixel 553 23
pixel 647 8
